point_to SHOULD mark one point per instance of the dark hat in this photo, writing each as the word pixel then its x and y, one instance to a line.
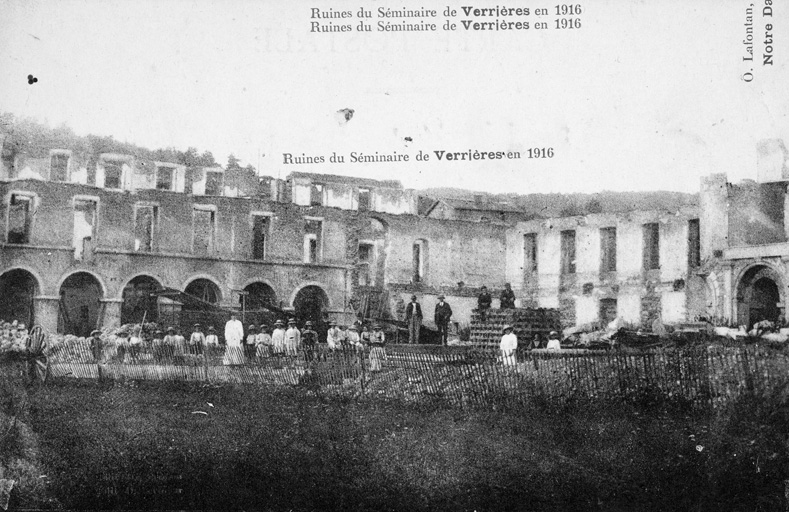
pixel 94 332
pixel 413 297
pixel 441 297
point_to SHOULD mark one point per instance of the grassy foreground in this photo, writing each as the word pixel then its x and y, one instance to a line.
pixel 179 446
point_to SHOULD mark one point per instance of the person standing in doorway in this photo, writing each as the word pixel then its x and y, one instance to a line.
pixel 442 316
pixel 413 317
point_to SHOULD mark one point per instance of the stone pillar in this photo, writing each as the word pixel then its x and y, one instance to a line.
pixel 45 312
pixel 112 312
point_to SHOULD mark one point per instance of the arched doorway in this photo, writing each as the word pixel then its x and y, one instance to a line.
pixel 205 290
pixel 310 304
pixel 17 289
pixel 79 311
pixel 139 301
pixel 759 296
pixel 254 303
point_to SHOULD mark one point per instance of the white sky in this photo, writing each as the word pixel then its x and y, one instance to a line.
pixel 645 96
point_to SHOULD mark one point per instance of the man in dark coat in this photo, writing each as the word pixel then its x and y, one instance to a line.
pixel 413 317
pixel 442 316
pixel 507 297
pixel 483 303
pixel 309 339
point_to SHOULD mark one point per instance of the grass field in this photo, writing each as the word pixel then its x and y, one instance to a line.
pixel 187 446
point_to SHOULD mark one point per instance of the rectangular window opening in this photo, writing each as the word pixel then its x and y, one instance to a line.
pixel 204 228
pixel 316 194
pixel 213 183
pixel 568 252
pixel 20 217
pixel 164 178
pixel 364 199
pixel 84 234
pixel 144 228
pixel 608 250
pixel 313 229
pixel 651 246
pixel 58 167
pixel 113 175
pixel 419 267
pixel 694 243
pixel 530 253
pixel 607 310
pixel 260 229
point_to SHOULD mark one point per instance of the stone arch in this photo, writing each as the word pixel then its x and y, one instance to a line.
pixel 80 310
pixel 205 289
pixel 18 288
pixel 260 293
pixel 139 303
pixel 310 302
pixel 760 294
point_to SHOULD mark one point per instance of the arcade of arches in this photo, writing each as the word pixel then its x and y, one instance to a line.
pixel 79 311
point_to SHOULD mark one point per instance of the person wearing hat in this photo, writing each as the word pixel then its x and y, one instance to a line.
pixel 278 338
pixel 169 343
pixel 196 340
pixel 263 342
pixel 483 303
pixel 334 336
pixel 211 339
pixel 413 317
pixel 442 316
pixel 508 346
pixel 377 352
pixel 553 341
pixel 507 297
pixel 96 344
pixel 292 338
pixel 252 338
pixel 352 337
pixel 309 338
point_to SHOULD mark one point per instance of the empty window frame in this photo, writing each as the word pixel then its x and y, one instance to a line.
pixel 364 199
pixel 419 252
pixel 113 174
pixel 530 253
pixel 84 235
pixel 203 230
pixel 608 310
pixel 20 218
pixel 316 194
pixel 313 236
pixel 260 234
pixel 165 178
pixel 694 243
pixel 608 250
pixel 651 249
pixel 145 225
pixel 365 261
pixel 213 183
pixel 58 166
pixel 568 252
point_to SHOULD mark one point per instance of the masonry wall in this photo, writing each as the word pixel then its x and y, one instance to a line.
pixel 641 295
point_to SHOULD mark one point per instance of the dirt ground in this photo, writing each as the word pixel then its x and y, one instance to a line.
pixel 190 446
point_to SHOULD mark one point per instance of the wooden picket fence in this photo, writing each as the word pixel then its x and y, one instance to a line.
pixel 466 376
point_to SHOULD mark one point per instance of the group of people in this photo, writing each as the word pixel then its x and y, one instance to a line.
pixel 413 318
pixel 484 300
pixel 509 344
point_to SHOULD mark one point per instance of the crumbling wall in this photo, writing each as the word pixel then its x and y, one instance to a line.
pixel 756 213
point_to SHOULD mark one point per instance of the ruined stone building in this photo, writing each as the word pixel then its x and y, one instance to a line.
pixel 89 236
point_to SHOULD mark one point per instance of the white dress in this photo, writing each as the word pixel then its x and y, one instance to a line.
pixel 234 333
pixel 278 341
pixel 508 347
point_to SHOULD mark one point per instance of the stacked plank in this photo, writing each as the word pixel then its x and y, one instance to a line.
pixel 526 323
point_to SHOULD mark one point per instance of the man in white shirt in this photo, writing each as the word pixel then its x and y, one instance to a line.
pixel 508 346
pixel 234 335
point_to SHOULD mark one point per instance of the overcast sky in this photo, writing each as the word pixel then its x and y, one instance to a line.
pixel 644 96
